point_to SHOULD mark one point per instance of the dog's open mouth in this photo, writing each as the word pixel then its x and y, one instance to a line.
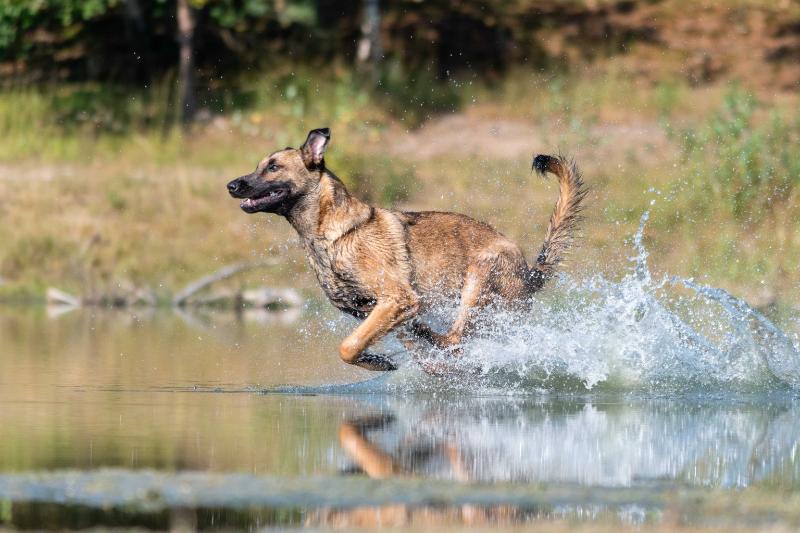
pixel 268 199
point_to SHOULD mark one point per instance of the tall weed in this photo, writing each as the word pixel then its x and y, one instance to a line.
pixel 748 165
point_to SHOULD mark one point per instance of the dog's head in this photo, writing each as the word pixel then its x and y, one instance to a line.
pixel 283 177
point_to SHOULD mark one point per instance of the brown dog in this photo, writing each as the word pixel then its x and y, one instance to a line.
pixel 387 266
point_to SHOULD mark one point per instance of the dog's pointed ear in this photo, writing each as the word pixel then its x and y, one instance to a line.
pixel 313 150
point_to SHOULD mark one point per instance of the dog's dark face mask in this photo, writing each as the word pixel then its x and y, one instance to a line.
pixel 283 177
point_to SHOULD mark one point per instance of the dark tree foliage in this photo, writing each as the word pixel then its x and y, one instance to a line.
pixel 132 41
pixel 406 49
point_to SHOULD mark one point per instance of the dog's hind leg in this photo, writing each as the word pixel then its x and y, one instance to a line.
pixel 498 273
pixel 386 315
pixel 472 299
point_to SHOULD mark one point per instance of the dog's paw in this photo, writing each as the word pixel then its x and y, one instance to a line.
pixel 372 422
pixel 375 362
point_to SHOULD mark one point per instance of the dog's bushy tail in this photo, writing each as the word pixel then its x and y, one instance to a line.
pixel 564 220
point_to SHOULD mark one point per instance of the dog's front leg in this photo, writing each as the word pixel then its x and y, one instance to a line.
pixel 384 317
pixel 375 462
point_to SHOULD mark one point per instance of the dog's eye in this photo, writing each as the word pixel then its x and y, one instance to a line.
pixel 272 167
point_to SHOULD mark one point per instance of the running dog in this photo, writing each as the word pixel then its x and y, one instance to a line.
pixel 386 266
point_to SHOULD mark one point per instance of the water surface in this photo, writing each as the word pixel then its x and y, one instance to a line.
pixel 124 418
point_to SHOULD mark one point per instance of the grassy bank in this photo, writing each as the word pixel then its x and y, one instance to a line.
pixel 100 195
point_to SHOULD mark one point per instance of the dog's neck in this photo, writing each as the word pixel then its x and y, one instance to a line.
pixel 328 211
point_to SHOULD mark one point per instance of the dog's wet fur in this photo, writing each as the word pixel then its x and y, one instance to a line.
pixel 386 266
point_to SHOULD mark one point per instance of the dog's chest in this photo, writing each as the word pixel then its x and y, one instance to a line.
pixel 338 279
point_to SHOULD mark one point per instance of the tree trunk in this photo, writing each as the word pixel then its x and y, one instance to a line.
pixel 137 34
pixel 370 47
pixel 186 24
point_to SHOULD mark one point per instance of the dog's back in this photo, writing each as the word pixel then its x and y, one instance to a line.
pixel 443 246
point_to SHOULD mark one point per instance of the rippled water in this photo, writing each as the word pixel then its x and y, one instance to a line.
pixel 640 402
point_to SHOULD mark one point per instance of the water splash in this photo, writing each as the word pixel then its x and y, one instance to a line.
pixel 636 334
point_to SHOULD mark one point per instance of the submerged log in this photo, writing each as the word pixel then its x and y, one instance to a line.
pixel 182 298
pixel 55 296
pixel 128 295
pixel 271 297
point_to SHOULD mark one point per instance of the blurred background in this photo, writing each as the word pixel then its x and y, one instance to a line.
pixel 122 120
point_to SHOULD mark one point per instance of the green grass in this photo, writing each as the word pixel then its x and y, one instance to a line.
pixel 751 167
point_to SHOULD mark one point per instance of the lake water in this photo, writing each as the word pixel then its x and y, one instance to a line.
pixel 161 420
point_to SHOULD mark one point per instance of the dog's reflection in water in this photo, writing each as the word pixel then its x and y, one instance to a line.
pixel 415 456
pixel 426 516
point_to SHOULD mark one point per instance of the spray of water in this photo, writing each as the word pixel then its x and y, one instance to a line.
pixel 636 334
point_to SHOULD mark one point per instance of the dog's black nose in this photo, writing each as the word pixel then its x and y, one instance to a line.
pixel 233 186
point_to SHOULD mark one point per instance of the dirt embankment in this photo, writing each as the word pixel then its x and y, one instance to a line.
pixel 752 42
pixel 757 42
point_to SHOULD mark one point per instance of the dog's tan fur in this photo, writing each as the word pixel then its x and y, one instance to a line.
pixel 387 266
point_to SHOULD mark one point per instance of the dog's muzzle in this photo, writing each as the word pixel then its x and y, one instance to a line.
pixel 235 187
pixel 265 197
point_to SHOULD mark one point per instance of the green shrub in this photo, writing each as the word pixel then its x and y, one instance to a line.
pixel 414 97
pixel 375 179
pixel 747 165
